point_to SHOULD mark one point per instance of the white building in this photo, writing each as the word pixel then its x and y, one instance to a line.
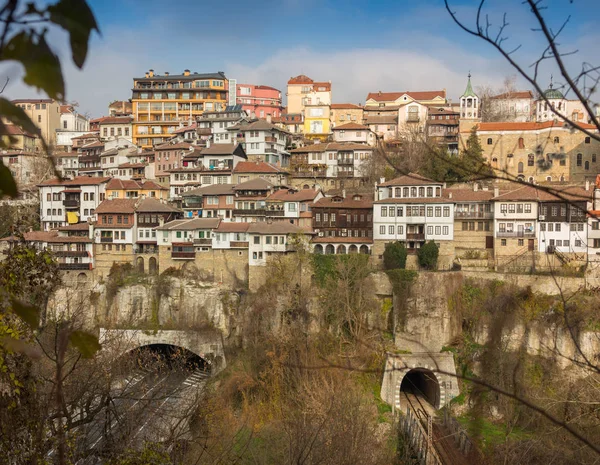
pixel 515 220
pixel 515 106
pixel 414 210
pixel 263 141
pixel 216 124
pixel 113 127
pixel 355 133
pixel 70 201
pixel 332 159
pixel 269 239
pixel 72 120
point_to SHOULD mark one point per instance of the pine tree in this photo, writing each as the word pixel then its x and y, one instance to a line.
pixel 472 165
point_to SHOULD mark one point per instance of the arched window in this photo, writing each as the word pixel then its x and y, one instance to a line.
pixel 530 159
pixel 405 192
pixel 489 141
pixel 413 191
pixel 430 189
pixel 520 167
pixel 531 179
pixel 579 159
pixel 421 192
pixel 398 192
pixel 548 178
pixel 593 158
pixel 587 165
pixel 557 140
pixel 521 143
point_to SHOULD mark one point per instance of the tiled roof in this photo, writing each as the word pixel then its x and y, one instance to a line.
pixel 196 223
pixel 350 127
pixel 258 125
pixel 150 205
pixel 78 181
pixel 391 96
pixel 230 226
pixel 334 202
pixel 89 135
pixel 48 236
pixel 469 195
pixel 529 126
pixel 179 77
pixel 301 79
pixel 214 189
pixel 115 120
pixel 285 195
pixel 542 195
pixel 132 165
pixel 179 145
pixel 191 127
pixel 515 95
pixel 381 119
pixel 14 130
pixel 117 206
pixel 75 227
pixel 220 149
pixel 256 167
pixel 93 145
pixel 345 106
pixel 410 179
pixel 277 227
pixel 257 184
pixel 331 146
pixel 342 240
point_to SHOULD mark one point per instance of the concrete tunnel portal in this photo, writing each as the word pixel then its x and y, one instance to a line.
pixel 423 382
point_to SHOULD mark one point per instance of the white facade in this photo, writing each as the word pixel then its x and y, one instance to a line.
pixel 262 244
pixel 564 237
pixel 356 135
pixel 74 122
pixel 515 219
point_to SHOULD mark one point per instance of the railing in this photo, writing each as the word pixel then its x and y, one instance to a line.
pixel 106 239
pixel 71 253
pixel 74 266
pixel 192 204
pixel 187 255
pixel 71 203
pixel 239 244
pixel 202 241
pixel 415 237
pixel 310 174
pixel 345 174
pixel 515 234
pixel 270 150
pixel 412 118
pixel 474 215
pixel 270 139
pixel 142 250
pixel 345 161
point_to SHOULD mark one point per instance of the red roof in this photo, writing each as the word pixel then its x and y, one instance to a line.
pixel 117 206
pixel 114 120
pixel 410 179
pixel 229 226
pixel 13 130
pixel 530 126
pixel 345 106
pixel 339 202
pixel 89 135
pixel 350 126
pixel 514 95
pixel 256 167
pixel 391 96
pixel 191 127
pixel 78 181
pixel 285 195
pixel 302 79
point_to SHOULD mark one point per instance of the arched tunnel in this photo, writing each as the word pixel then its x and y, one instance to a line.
pixel 159 357
pixel 423 382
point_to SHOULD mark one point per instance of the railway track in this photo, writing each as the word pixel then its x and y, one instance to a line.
pixel 442 442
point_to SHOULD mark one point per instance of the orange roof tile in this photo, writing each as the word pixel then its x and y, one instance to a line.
pixel 391 96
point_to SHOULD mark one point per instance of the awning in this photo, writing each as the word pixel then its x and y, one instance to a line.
pixel 72 217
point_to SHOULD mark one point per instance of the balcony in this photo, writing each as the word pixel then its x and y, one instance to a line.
pixel 249 212
pixel 202 241
pixel 345 161
pixel 415 237
pixel 71 253
pixel 310 173
pixel 146 249
pixel 345 174
pixel 192 204
pixel 412 118
pixel 239 244
pixel 515 234
pixel 184 255
pixel 106 239
pixel 74 266
pixel 270 150
pixel 271 139
pixel 474 215
pixel 71 203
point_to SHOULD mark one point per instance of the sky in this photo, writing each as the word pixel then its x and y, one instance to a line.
pixel 360 46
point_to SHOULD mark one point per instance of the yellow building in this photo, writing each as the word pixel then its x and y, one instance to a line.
pixel 317 122
pixel 15 138
pixel 344 113
pixel 160 103
pixel 129 189
pixel 45 114
pixel 303 91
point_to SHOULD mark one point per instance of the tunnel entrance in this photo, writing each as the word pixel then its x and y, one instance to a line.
pixel 159 357
pixel 423 382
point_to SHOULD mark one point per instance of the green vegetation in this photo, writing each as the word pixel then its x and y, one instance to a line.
pixel 394 255
pixel 428 255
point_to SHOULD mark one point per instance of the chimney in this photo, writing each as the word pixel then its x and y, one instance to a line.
pixel 147 75
pixel 161 220
pixel 186 72
pixel 496 192
pixel 344 193
pixel 450 195
pixel 587 185
pixel 151 73
pixel 166 73
pixel 379 93
pixel 475 187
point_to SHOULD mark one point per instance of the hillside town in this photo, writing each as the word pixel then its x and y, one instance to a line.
pixel 198 170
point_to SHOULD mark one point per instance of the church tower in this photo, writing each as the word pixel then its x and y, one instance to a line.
pixel 469 103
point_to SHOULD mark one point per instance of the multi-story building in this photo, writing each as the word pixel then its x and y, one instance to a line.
pixel 67 164
pixel 130 189
pixel 259 101
pixel 356 133
pixel 248 170
pixel 262 141
pixel 114 232
pixel 215 125
pixel 89 159
pixel 397 99
pixel 344 113
pixel 292 123
pixel 537 152
pixel 79 141
pixel 120 108
pixel 515 106
pixel 169 157
pixel 161 102
pixel 329 164
pixel 72 120
pixel 27 168
pixel 150 213
pixel 443 127
pixel 294 205
pixel 414 210
pixel 250 202
pixel 342 225
pixel 214 201
pixel 45 114
pixel 115 127
pixel 302 91
pixel 70 201
pixel 383 123
pixel 317 121
pixel 181 239
pixel 15 138
pixel 269 240
pixel 554 99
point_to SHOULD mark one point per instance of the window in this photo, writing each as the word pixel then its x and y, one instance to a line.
pixel 587 140
pixel 503 208
pixel 430 230
pixel 521 143
pixel 465 225
pixel 445 230
pixel 438 230
pixel 520 242
pixel 596 244
pixel 542 226
pixel 527 208
pixel 577 243
pixel 557 227
pixel 511 208
pixel 489 141
pixel 503 242
pixel 390 230
pixel 587 165
pixel 580 158
pixel 382 230
pixel 438 211
pixel 383 211
pixel 430 192
pixel 257 239
pixel 399 212
pixel 430 212
pixel 447 212
pixel 318 217
pixel 520 208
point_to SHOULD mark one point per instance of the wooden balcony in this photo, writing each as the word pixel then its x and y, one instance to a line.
pixel 270 139
pixel 71 253
pixel 202 241
pixel 106 239
pixel 239 244
pixel 184 255
pixel 74 266
pixel 515 234
pixel 415 237
pixel 71 203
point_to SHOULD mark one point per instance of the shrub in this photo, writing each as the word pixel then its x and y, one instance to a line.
pixel 394 256
pixel 428 255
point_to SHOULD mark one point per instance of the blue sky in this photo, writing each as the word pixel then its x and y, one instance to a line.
pixel 360 46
